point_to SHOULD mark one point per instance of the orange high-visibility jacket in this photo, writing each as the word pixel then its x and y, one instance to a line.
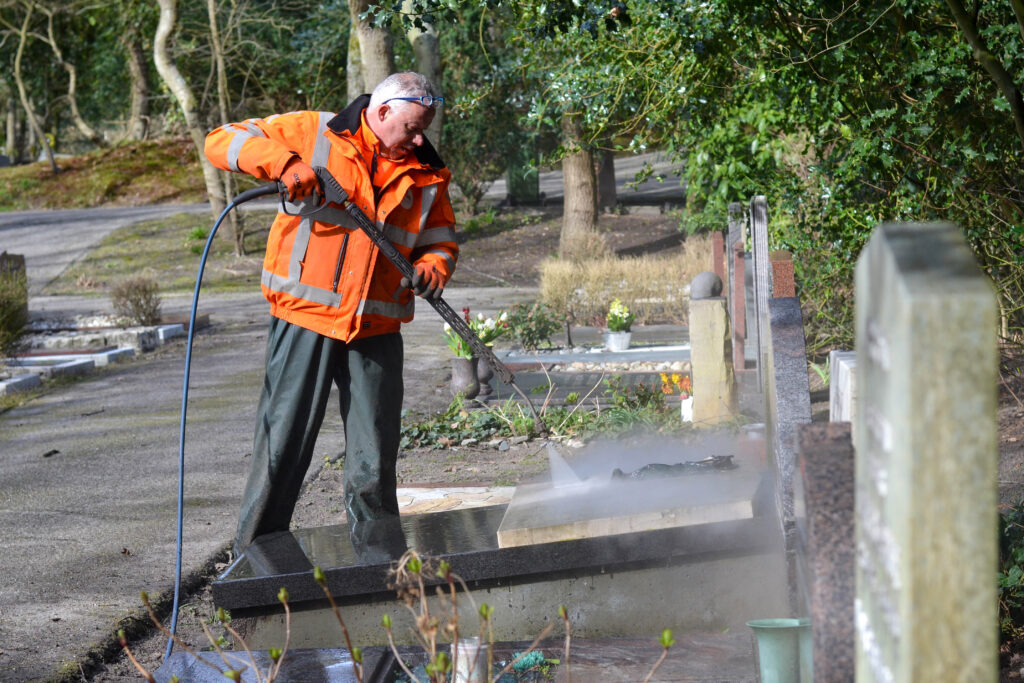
pixel 322 272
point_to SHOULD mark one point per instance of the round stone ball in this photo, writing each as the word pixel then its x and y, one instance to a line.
pixel 705 286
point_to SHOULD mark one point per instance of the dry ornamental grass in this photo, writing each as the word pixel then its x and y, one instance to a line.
pixel 654 287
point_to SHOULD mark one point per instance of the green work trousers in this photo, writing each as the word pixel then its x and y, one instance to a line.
pixel 300 367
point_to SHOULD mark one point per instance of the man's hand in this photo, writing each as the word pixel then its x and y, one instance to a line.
pixel 426 282
pixel 300 179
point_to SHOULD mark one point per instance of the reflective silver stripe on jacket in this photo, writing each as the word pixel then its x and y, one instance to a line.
pixel 436 235
pixel 239 138
pixel 396 235
pixel 317 295
pixel 386 308
pixel 292 284
pixel 429 195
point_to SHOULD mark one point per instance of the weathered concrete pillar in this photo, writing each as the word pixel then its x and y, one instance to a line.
pixel 714 384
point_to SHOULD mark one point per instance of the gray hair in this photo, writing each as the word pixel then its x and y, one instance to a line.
pixel 402 84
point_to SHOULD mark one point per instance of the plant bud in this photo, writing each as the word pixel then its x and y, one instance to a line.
pixel 666 639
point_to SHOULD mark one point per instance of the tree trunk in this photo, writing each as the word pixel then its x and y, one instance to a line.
pixel 138 119
pixel 376 51
pixel 236 225
pixel 13 135
pixel 30 114
pixel 607 196
pixel 354 72
pixel 176 83
pixel 579 238
pixel 87 131
pixel 427 49
pixel 1003 79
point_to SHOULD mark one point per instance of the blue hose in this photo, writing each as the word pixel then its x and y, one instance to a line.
pixel 240 199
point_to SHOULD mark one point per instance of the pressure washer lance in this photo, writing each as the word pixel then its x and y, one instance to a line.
pixel 335 194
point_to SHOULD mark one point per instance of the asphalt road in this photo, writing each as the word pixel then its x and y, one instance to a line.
pixel 51 241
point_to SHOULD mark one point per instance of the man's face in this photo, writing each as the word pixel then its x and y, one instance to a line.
pixel 400 129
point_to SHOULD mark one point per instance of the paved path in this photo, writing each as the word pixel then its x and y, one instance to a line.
pixel 89 484
pixel 663 185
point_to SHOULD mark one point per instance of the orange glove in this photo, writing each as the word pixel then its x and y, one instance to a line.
pixel 426 282
pixel 300 179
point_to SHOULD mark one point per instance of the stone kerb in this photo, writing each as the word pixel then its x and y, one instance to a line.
pixel 926 461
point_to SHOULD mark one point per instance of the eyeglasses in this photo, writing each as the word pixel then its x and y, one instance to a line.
pixel 425 100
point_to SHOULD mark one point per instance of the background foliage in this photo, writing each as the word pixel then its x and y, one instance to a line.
pixel 844 114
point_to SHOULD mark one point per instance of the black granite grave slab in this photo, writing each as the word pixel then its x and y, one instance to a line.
pixel 355 562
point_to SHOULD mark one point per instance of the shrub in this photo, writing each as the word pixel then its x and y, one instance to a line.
pixel 137 300
pixel 13 309
pixel 533 324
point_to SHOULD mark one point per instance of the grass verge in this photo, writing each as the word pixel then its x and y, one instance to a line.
pixel 168 250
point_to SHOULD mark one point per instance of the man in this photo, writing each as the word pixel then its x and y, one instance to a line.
pixel 336 304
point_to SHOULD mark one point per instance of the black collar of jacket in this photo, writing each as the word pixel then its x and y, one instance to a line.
pixel 348 122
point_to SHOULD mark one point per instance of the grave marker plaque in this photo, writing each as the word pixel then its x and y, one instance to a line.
pixel 925 424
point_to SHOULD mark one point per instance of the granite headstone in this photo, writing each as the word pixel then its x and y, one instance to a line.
pixel 926 460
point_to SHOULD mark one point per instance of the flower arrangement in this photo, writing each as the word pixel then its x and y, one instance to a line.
pixel 676 383
pixel 619 318
pixel 489 329
pixel 486 329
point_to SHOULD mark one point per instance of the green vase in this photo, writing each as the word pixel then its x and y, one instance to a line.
pixel 778 648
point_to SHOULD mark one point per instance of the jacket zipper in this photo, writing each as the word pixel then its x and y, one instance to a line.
pixel 341 260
